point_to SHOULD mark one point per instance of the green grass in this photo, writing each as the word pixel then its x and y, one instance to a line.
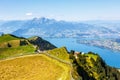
pixel 7 37
pixel 17 51
pixel 60 53
pixel 15 48
pixel 13 43
pixel 34 67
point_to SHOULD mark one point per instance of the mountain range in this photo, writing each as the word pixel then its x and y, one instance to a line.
pixel 45 27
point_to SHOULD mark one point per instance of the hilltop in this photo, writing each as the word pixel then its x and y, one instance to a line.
pixel 11 45
pixel 41 43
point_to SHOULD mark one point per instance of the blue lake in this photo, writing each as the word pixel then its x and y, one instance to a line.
pixel 110 57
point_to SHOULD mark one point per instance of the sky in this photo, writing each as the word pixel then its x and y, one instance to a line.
pixel 69 10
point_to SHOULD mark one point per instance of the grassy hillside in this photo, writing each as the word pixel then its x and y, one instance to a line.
pixel 8 40
pixel 11 46
pixel 7 37
pixel 12 43
pixel 60 53
pixel 34 67
pixel 18 51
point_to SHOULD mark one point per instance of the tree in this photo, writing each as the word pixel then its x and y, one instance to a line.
pixel 9 45
pixel 2 34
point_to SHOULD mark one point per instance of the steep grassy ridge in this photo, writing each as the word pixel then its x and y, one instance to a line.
pixel 60 53
pixel 90 66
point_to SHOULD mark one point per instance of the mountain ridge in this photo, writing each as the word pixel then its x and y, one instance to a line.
pixel 21 45
pixel 53 28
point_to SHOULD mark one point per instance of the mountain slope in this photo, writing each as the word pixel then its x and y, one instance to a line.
pixel 11 45
pixel 60 53
pixel 10 26
pixel 8 37
pixel 51 28
pixel 53 64
pixel 41 43
pixel 90 66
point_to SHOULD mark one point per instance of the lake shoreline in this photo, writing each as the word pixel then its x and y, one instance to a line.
pixel 110 57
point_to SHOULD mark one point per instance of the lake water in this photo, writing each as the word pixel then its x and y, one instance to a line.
pixel 110 57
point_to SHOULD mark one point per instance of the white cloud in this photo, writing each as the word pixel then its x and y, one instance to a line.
pixel 29 14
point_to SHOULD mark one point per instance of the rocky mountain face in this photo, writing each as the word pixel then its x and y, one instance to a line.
pixel 41 43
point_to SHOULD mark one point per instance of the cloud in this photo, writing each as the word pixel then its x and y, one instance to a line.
pixel 29 14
